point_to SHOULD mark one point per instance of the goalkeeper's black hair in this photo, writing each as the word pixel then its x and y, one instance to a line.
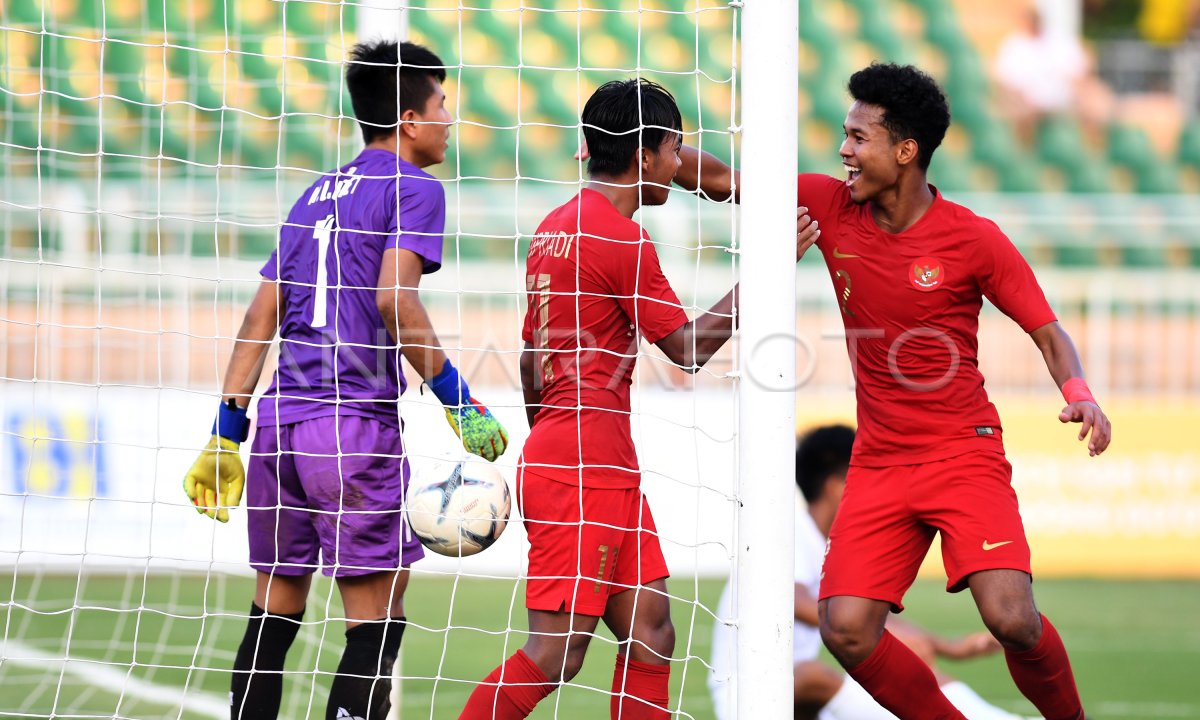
pixel 913 104
pixel 821 454
pixel 623 115
pixel 385 79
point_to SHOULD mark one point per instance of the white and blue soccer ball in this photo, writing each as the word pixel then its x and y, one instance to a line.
pixel 463 514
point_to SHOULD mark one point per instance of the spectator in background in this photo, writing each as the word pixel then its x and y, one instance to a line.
pixel 1043 73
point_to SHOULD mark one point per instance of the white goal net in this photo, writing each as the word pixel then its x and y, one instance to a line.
pixel 150 153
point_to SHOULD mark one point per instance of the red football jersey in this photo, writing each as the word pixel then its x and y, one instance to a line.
pixel 910 303
pixel 595 285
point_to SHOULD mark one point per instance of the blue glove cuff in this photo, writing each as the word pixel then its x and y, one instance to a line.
pixel 449 387
pixel 232 423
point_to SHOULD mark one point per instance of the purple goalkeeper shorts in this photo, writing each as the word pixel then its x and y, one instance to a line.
pixel 331 485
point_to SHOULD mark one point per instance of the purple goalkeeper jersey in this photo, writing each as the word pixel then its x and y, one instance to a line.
pixel 335 356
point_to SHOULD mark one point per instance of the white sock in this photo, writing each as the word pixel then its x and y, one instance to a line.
pixel 852 702
pixel 970 704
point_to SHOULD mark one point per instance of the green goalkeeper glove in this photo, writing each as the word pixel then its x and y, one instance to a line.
pixel 481 433
pixel 217 478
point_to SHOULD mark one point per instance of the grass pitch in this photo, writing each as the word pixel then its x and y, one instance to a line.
pixel 159 646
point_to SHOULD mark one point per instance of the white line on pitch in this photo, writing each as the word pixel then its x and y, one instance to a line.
pixel 1147 709
pixel 100 674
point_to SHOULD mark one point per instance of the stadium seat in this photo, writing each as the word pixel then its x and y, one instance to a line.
pixel 950 172
pixel 993 145
pixel 1129 147
pixel 1060 145
pixel 213 97
pixel 1188 152
pixel 876 27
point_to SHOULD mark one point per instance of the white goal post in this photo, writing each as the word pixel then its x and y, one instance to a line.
pixel 767 361
pixel 151 153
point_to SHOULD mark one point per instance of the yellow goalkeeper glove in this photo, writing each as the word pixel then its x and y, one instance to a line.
pixel 216 480
pixel 481 433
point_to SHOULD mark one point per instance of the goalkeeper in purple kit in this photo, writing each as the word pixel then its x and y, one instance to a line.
pixel 328 469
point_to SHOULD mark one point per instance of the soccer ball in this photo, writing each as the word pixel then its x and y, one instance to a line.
pixel 463 514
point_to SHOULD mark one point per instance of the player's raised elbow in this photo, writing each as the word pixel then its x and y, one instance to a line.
pixel 385 301
pixel 395 303
pixel 1049 336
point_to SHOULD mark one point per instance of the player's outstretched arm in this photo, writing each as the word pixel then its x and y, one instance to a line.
pixel 806 607
pixel 961 647
pixel 406 320
pixel 215 481
pixel 1062 359
pixel 699 171
pixel 694 344
pixel 709 174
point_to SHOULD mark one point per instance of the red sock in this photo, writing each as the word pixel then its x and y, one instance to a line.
pixel 640 690
pixel 1043 675
pixel 902 683
pixel 510 692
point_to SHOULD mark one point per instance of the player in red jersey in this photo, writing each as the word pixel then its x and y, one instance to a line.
pixel 910 270
pixel 595 290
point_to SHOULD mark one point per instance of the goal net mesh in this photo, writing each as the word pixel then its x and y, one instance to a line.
pixel 150 153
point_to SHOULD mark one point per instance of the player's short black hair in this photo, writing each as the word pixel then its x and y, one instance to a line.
pixel 385 79
pixel 623 115
pixel 821 454
pixel 913 104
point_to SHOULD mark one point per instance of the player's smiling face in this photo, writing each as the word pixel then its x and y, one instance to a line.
pixel 429 130
pixel 868 153
pixel 659 168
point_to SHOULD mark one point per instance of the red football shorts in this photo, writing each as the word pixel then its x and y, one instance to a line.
pixel 889 515
pixel 585 544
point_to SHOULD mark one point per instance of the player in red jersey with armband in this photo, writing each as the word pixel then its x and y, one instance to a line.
pixel 595 290
pixel 910 270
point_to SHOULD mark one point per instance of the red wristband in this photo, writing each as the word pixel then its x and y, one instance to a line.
pixel 1076 390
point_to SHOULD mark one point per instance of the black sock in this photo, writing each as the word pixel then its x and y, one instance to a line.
pixel 264 646
pixel 364 677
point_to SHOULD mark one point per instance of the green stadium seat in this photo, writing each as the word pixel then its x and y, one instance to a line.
pixel 1130 147
pixel 438 29
pixel 983 155
pixel 1188 152
pixel 1090 175
pixel 263 75
pixel 969 107
pixel 1060 145
pixel 992 144
pixel 876 27
pixel 950 172
pixel 315 21
pixel 550 106
pixel 942 28
pixel 830 100
pixel 816 33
